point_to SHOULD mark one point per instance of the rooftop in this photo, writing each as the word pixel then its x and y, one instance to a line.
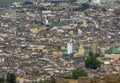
pixel 112 50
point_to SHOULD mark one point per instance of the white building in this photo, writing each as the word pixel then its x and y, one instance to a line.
pixel 69 48
pixel 46 22
pixel 96 1
pixel 79 32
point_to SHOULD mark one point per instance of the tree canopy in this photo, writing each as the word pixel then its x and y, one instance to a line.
pixel 11 78
pixel 91 61
pixel 2 80
pixel 77 73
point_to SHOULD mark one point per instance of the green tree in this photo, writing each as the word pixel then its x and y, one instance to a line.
pixel 2 80
pixel 91 61
pixel 11 78
pixel 77 73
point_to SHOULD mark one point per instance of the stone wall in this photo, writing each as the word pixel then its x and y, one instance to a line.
pixel 61 80
pixel 111 78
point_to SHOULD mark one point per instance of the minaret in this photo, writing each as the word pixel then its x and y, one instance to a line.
pixel 81 50
pixel 69 47
pixel 95 45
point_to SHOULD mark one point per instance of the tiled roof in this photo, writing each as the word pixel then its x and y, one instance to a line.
pixel 112 50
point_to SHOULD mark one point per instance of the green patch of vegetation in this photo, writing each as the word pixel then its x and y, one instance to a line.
pixel 2 80
pixel 11 78
pixel 91 61
pixel 77 73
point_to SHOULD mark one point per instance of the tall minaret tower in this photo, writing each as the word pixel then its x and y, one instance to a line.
pixel 95 45
pixel 69 47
